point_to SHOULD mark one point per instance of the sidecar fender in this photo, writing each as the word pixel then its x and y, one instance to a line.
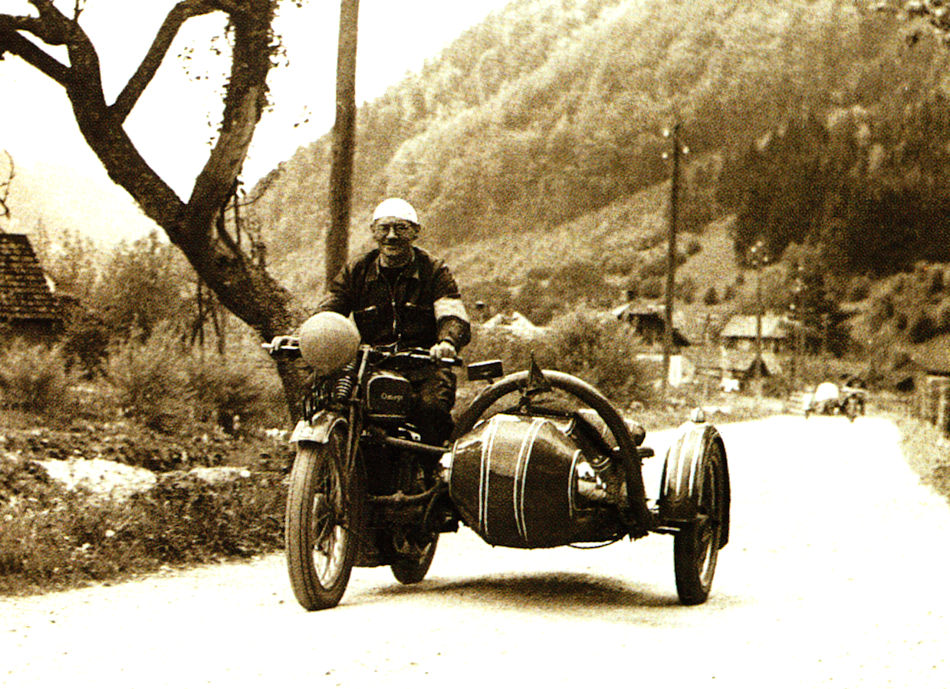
pixel 317 430
pixel 679 490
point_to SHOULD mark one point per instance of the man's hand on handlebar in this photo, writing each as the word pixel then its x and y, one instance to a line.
pixel 280 344
pixel 443 350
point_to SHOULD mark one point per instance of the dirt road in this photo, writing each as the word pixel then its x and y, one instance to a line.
pixel 836 576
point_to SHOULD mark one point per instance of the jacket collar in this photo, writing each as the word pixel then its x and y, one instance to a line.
pixel 410 270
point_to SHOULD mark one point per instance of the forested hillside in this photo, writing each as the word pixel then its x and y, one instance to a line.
pixel 809 122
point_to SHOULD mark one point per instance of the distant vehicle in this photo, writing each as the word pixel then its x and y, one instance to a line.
pixel 824 399
pixel 828 398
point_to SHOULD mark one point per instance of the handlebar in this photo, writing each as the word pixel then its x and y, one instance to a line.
pixel 416 354
pixel 291 348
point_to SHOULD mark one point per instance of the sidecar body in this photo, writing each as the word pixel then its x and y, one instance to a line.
pixel 534 477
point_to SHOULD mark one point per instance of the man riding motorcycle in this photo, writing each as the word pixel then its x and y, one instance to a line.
pixel 400 295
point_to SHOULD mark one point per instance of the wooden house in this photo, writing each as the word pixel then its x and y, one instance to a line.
pixel 28 308
pixel 648 322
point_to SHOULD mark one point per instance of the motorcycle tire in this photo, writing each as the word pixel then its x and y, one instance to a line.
pixel 326 508
pixel 414 570
pixel 696 546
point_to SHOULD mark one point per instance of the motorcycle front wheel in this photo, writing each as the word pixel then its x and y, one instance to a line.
pixel 324 521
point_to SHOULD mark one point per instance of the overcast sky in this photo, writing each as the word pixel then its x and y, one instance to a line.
pixel 176 119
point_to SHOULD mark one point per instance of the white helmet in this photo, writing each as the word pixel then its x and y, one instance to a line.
pixel 328 341
pixel 396 208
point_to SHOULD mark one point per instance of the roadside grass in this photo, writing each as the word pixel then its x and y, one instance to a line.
pixel 53 538
pixel 927 452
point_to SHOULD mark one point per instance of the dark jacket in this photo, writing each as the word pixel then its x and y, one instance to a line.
pixel 421 307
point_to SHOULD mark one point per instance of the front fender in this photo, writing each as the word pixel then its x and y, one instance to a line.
pixel 679 490
pixel 318 429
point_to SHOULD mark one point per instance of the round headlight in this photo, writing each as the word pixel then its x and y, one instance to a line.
pixel 328 341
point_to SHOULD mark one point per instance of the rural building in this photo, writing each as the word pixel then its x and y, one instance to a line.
pixel 28 308
pixel 739 334
pixel 932 361
pixel 648 322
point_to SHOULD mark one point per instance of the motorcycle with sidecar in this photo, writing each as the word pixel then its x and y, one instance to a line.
pixel 538 459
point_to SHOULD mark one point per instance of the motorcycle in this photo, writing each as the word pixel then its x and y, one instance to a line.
pixel 538 459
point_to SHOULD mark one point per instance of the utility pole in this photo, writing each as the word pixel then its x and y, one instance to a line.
pixel 758 260
pixel 341 163
pixel 671 257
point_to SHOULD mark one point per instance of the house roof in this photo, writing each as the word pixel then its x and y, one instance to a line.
pixel 773 326
pixel 24 293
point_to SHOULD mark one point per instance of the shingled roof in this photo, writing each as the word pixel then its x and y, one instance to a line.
pixel 24 293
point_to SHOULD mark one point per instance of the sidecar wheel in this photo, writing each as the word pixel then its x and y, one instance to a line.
pixel 696 546
pixel 324 520
pixel 412 571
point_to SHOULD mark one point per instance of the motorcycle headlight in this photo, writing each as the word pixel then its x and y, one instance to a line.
pixel 328 341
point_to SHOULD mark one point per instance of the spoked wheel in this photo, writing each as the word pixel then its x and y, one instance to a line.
pixel 324 521
pixel 414 559
pixel 696 546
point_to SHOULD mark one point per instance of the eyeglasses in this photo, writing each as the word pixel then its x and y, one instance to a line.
pixel 402 230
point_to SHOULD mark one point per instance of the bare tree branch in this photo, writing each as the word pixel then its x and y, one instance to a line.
pixel 133 90
pixel 12 42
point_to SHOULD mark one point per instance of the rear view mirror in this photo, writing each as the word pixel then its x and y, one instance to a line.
pixel 485 370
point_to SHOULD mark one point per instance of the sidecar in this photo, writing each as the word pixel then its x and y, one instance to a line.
pixel 524 472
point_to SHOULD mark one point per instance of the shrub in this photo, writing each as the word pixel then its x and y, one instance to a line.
pixel 34 377
pixel 150 381
pixel 711 297
pixel 225 387
pixel 599 351
pixel 514 352
pixel 52 537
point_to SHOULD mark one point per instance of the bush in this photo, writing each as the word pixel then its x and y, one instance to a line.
pixel 225 387
pixel 34 377
pixel 151 382
pixel 601 352
pixel 52 537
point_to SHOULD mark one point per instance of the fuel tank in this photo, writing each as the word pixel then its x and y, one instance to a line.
pixel 513 480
